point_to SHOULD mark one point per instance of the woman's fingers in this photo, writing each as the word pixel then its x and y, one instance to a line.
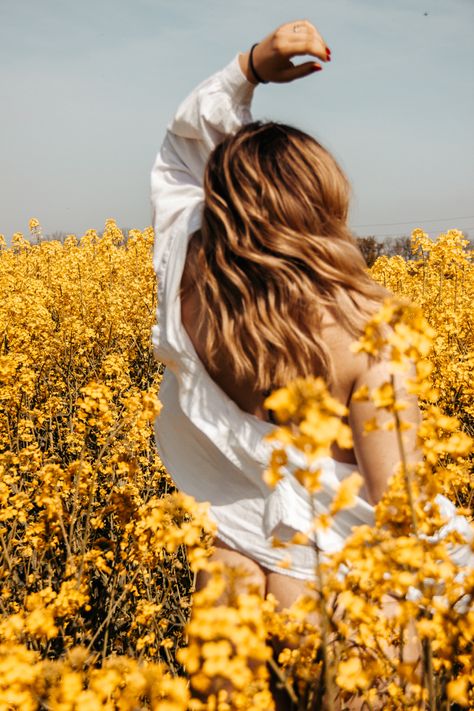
pixel 300 71
pixel 307 42
pixel 307 46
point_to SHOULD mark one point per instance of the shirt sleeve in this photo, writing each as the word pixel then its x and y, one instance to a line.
pixel 218 106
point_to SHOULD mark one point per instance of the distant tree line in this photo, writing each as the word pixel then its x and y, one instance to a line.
pixel 372 248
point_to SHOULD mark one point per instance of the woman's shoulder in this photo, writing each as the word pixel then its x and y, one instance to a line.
pixel 351 367
pixel 347 366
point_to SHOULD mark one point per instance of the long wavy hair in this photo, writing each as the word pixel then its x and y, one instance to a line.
pixel 273 253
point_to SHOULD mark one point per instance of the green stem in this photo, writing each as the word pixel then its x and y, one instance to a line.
pixel 328 672
pixel 289 689
pixel 403 458
pixel 112 609
pixel 429 674
pixel 427 651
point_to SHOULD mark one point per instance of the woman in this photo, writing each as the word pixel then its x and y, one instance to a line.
pixel 259 281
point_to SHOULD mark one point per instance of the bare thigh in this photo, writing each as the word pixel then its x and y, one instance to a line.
pixel 286 591
pixel 285 588
pixel 252 577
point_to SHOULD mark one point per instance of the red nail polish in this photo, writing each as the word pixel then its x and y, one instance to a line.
pixel 317 69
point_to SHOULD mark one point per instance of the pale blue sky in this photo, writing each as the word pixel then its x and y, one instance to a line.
pixel 87 89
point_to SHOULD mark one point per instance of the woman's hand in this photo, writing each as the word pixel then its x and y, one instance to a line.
pixel 272 56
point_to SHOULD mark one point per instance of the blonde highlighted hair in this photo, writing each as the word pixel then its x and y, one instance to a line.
pixel 273 253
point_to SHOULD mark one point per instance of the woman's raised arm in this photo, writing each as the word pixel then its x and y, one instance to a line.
pixel 218 106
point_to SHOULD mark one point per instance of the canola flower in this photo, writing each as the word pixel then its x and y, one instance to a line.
pixel 98 551
pixel 92 532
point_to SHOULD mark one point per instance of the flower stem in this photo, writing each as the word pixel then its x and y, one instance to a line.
pixel 403 459
pixel 328 672
pixel 429 674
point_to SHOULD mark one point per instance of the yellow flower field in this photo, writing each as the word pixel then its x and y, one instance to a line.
pixel 99 552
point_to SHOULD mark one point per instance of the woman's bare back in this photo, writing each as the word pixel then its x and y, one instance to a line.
pixel 347 366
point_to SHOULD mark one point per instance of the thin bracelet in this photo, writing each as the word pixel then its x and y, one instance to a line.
pixel 252 66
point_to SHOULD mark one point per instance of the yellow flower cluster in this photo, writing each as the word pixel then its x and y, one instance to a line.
pixel 99 552
pixel 440 279
pixel 92 532
pixel 227 651
pixel 29 682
